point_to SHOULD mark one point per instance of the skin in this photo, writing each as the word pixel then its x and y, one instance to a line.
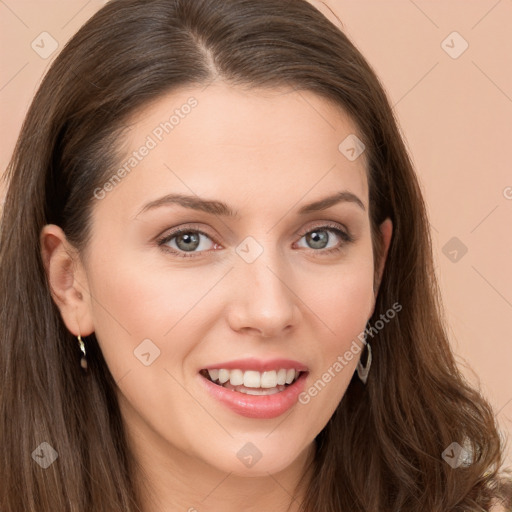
pixel 245 148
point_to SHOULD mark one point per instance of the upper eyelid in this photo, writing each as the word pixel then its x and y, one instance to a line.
pixel 324 225
pixel 318 224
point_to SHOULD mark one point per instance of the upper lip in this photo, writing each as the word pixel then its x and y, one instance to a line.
pixel 258 365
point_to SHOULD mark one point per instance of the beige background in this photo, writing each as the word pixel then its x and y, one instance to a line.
pixel 455 109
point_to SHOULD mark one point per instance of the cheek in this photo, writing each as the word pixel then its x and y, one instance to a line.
pixel 342 305
pixel 132 303
pixel 346 312
pixel 342 298
pixel 145 323
pixel 350 295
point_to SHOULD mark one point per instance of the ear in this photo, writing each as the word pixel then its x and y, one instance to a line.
pixel 386 230
pixel 67 280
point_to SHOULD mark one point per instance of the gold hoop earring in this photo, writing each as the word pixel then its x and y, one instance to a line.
pixel 83 361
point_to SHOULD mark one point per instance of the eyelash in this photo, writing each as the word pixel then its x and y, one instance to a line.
pixel 345 236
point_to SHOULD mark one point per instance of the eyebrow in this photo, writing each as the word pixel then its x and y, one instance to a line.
pixel 219 208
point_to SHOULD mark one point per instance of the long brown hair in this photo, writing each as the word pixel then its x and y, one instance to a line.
pixel 382 448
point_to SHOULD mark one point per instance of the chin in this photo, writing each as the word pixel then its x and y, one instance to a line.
pixel 259 457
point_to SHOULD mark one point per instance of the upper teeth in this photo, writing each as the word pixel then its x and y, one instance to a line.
pixel 253 379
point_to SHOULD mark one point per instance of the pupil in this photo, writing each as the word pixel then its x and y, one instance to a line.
pixel 189 238
pixel 318 239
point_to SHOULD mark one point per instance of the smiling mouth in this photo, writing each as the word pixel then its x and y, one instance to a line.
pixel 253 382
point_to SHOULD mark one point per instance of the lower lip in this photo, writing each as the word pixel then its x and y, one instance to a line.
pixel 258 406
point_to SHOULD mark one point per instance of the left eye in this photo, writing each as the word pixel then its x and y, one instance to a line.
pixel 319 238
pixel 188 240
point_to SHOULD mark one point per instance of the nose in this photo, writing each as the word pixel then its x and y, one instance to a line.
pixel 263 302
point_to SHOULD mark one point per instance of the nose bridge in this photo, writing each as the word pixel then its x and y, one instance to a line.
pixel 264 301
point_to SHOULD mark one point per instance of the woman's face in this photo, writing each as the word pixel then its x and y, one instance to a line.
pixel 273 288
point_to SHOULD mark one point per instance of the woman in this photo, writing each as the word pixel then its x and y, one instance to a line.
pixel 190 331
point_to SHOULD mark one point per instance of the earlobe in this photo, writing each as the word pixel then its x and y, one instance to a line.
pixel 67 280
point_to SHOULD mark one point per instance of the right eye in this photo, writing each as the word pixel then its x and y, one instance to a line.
pixel 183 242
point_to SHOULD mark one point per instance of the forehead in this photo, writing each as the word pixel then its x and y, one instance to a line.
pixel 254 147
